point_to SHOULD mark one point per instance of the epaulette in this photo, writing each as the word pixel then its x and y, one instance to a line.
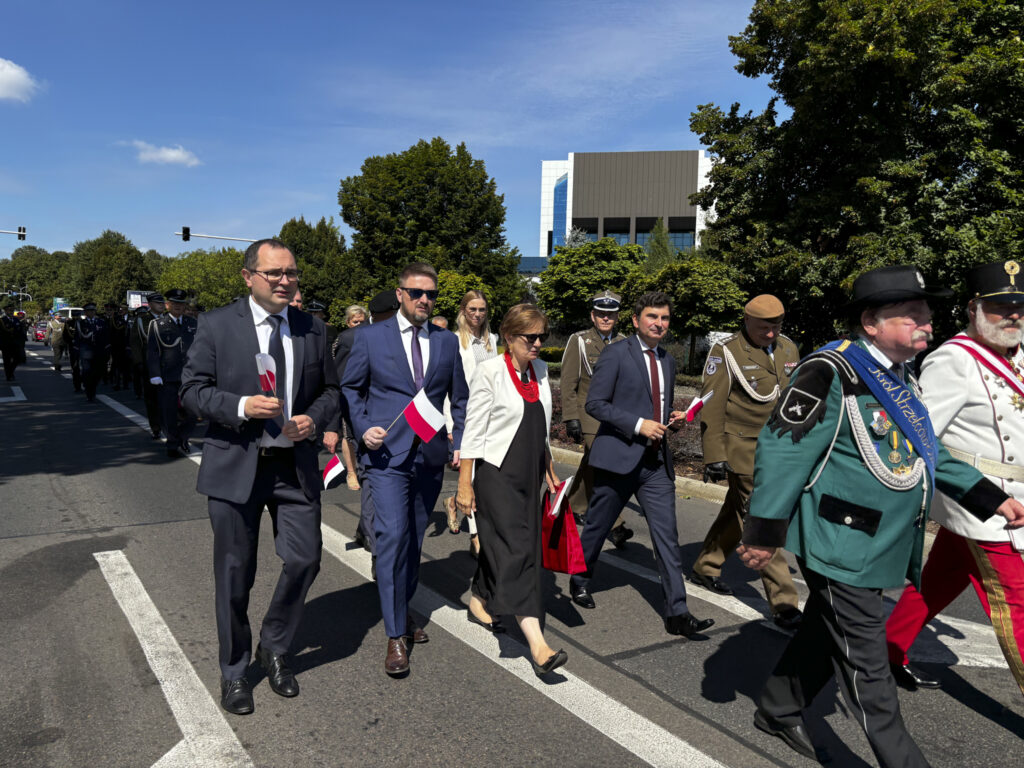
pixel 805 400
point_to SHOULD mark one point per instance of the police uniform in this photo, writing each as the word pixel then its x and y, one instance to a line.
pixel 744 381
pixel 844 473
pixel 120 356
pixel 169 340
pixel 139 344
pixel 9 348
pixel 92 347
pixel 578 361
pixel 975 396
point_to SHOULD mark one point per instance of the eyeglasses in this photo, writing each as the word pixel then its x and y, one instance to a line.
pixel 276 275
pixel 417 293
pixel 533 338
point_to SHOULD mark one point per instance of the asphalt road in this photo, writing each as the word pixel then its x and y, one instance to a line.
pixel 109 645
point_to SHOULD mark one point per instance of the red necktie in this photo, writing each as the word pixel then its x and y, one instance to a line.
pixel 655 393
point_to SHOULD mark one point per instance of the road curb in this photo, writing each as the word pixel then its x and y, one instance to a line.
pixel 685 485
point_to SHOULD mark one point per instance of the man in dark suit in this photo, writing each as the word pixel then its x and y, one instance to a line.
pixel 260 451
pixel 631 395
pixel 92 342
pixel 169 339
pixel 389 364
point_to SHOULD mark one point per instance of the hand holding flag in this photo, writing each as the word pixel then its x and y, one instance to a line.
pixel 267 369
pixel 696 404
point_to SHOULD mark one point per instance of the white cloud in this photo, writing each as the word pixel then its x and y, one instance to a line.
pixel 16 83
pixel 165 155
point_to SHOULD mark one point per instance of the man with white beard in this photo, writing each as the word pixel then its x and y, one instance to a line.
pixel 973 386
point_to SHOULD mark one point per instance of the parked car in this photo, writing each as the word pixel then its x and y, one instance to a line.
pixel 40 331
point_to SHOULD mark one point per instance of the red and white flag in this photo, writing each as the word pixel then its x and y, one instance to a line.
pixel 267 369
pixel 696 405
pixel 562 492
pixel 334 469
pixel 423 417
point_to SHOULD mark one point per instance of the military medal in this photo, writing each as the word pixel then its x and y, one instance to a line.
pixel 895 457
pixel 880 424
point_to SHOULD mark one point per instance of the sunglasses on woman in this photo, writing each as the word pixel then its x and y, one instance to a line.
pixel 533 338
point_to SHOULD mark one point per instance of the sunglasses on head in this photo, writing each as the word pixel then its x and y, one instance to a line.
pixel 533 338
pixel 417 293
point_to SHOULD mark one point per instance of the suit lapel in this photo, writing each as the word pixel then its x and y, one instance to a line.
pixel 394 341
pixel 434 340
pixel 642 362
pixel 249 340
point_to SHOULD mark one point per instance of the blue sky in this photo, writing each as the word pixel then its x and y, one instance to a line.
pixel 233 117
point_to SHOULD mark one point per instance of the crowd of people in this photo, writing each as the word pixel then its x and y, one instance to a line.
pixel 837 457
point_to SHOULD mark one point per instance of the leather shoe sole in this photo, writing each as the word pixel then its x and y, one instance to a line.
pixel 795 736
pixel 236 696
pixel 714 584
pixel 912 678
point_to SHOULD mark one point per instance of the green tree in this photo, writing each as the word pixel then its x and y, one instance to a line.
pixel 903 144
pixel 574 275
pixel 427 203
pixel 107 267
pixel 452 287
pixel 213 277
pixel 155 263
pixel 330 272
pixel 705 296
pixel 660 252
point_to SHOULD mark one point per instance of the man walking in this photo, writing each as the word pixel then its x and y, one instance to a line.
pixel 169 338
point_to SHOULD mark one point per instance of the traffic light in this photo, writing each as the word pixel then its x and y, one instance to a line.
pixel 21 233
pixel 186 233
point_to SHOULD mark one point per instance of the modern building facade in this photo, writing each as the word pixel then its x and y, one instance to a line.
pixel 621 195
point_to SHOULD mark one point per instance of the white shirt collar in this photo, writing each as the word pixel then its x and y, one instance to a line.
pixel 259 314
pixel 404 324
pixel 878 354
pixel 644 347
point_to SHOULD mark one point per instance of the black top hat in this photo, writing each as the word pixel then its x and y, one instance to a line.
pixel 155 297
pixel 385 301
pixel 891 285
pixel 177 295
pixel 997 281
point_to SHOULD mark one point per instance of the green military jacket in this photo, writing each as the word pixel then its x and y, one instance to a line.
pixel 578 361
pixel 746 381
pixel 835 481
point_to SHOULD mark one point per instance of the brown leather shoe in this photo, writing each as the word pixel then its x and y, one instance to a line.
pixel 413 632
pixel 397 660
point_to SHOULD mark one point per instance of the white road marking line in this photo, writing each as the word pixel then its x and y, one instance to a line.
pixel 209 740
pixel 17 396
pixel 648 741
pixel 976 645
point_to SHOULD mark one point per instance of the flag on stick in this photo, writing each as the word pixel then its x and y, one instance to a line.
pixel 335 468
pixel 267 369
pixel 563 489
pixel 423 417
pixel 696 405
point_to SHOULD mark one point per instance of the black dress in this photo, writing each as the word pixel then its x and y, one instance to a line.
pixel 508 514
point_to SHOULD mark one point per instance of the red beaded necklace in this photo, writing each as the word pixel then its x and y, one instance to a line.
pixel 529 392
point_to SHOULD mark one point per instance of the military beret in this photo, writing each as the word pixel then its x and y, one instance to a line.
pixel 155 297
pixel 315 306
pixel 177 295
pixel 607 301
pixel 764 307
pixel 385 301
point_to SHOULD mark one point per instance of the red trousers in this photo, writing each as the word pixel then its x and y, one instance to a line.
pixel 995 570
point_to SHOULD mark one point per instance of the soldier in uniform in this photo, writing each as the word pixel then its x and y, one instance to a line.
pixel 169 339
pixel 120 354
pixel 139 339
pixel 92 346
pixel 743 376
pixel 578 361
pixel 55 338
pixel 9 330
pixel 844 473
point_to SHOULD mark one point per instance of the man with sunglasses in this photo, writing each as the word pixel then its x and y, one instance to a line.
pixel 631 396
pixel 581 353
pixel 389 364
pixel 261 451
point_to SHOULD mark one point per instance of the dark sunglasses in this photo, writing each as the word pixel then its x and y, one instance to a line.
pixel 417 293
pixel 533 338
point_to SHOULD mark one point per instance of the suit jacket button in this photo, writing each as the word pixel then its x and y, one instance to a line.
pixel 847 520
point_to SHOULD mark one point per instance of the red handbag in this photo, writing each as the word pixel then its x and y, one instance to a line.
pixel 560 541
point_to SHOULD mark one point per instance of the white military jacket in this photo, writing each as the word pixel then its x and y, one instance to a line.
pixel 975 411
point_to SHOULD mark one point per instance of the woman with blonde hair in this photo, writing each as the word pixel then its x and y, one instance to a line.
pixel 504 460
pixel 476 344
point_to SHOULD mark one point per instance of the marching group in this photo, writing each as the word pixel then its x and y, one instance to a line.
pixel 839 457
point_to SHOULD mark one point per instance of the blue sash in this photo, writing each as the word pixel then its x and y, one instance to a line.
pixel 901 404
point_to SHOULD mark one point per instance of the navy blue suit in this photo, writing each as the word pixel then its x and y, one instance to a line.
pixel 625 463
pixel 404 473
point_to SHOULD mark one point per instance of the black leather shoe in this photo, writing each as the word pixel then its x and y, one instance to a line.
pixel 788 618
pixel 686 625
pixel 361 540
pixel 912 678
pixel 580 519
pixel 494 627
pixel 279 674
pixel 795 736
pixel 555 660
pixel 581 596
pixel 619 536
pixel 236 696
pixel 714 584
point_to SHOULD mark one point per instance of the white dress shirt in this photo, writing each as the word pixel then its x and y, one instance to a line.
pixel 405 329
pixel 264 329
pixel 661 381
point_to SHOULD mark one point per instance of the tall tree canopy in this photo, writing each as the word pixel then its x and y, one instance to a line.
pixel 329 271
pixel 213 277
pixel 904 143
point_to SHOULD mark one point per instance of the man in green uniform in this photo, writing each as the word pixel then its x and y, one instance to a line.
pixel 744 376
pixel 578 361
pixel 844 472
pixel 55 338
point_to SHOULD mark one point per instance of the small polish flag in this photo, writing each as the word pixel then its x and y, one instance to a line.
pixel 556 505
pixel 335 468
pixel 696 405
pixel 267 369
pixel 423 417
